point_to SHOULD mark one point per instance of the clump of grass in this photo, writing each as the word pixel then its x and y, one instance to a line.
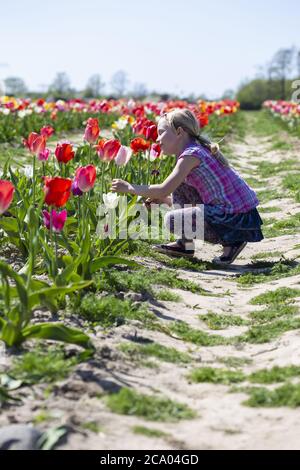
pixel 292 222
pixel 43 365
pixel 192 335
pixel 155 350
pixel 129 402
pixel 281 145
pixel 273 312
pixel 291 181
pixel 235 362
pixel 216 376
pixel 269 331
pixel 217 321
pixel 267 169
pixel 148 432
pixel 255 182
pixel 265 254
pixel 92 426
pixel 278 270
pixel 274 375
pixel 270 209
pixel 269 221
pixel 266 195
pixel 262 125
pixel 144 281
pixel 167 295
pixel 282 294
pixel 109 311
pixel 182 263
pixel 287 226
pixel 42 417
pixel 285 395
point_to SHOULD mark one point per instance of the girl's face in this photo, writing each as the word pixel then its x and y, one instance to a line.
pixel 167 137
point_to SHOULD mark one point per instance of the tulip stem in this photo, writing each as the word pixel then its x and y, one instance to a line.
pixel 102 182
pixel 90 154
pixel 33 179
pixel 56 256
pixel 53 260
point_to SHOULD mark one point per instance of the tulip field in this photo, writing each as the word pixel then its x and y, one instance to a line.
pixel 287 112
pixel 86 315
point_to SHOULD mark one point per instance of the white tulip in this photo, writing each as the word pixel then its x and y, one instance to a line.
pixel 111 200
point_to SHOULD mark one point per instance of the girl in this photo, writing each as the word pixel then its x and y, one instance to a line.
pixel 202 175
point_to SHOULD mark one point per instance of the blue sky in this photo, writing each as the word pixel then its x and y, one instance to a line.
pixel 169 45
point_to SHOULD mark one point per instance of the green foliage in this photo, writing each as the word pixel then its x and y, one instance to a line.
pixel 129 402
pixel 43 365
pixel 159 351
pixel 216 376
pixel 216 321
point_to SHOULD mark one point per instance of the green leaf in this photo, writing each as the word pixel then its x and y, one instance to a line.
pixel 51 293
pixel 6 270
pixel 107 260
pixel 9 382
pixel 51 437
pixel 9 225
pixel 57 332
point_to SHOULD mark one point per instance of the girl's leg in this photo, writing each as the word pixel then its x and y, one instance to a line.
pixel 186 194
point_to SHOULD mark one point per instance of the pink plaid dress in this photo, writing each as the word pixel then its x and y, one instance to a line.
pixel 217 185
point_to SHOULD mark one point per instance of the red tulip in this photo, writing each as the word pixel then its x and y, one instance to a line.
pixel 6 195
pixel 47 131
pixel 151 132
pixel 57 191
pixel 155 151
pixel 139 144
pixel 203 120
pixel 108 149
pixel 35 143
pixel 85 177
pixel 58 220
pixel 92 131
pixel 64 152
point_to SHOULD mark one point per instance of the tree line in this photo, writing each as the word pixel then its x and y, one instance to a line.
pixel 274 82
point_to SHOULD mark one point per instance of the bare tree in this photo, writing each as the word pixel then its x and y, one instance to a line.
pixel 139 90
pixel 298 64
pixel 15 86
pixel 61 84
pixel 281 66
pixel 119 82
pixel 94 86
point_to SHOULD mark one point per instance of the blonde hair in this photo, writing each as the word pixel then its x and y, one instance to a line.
pixel 187 120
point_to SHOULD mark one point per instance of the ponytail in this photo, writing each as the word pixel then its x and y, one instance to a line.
pixel 214 149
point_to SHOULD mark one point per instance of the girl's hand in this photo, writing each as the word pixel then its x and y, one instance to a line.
pixel 166 200
pixel 121 186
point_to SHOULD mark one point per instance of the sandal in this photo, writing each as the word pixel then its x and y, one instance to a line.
pixel 234 252
pixel 175 250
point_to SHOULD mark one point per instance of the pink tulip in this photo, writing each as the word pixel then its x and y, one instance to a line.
pixel 123 155
pixel 44 155
pixel 47 131
pixel 35 143
pixel 108 149
pixel 92 131
pixel 6 195
pixel 58 219
pixel 86 177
